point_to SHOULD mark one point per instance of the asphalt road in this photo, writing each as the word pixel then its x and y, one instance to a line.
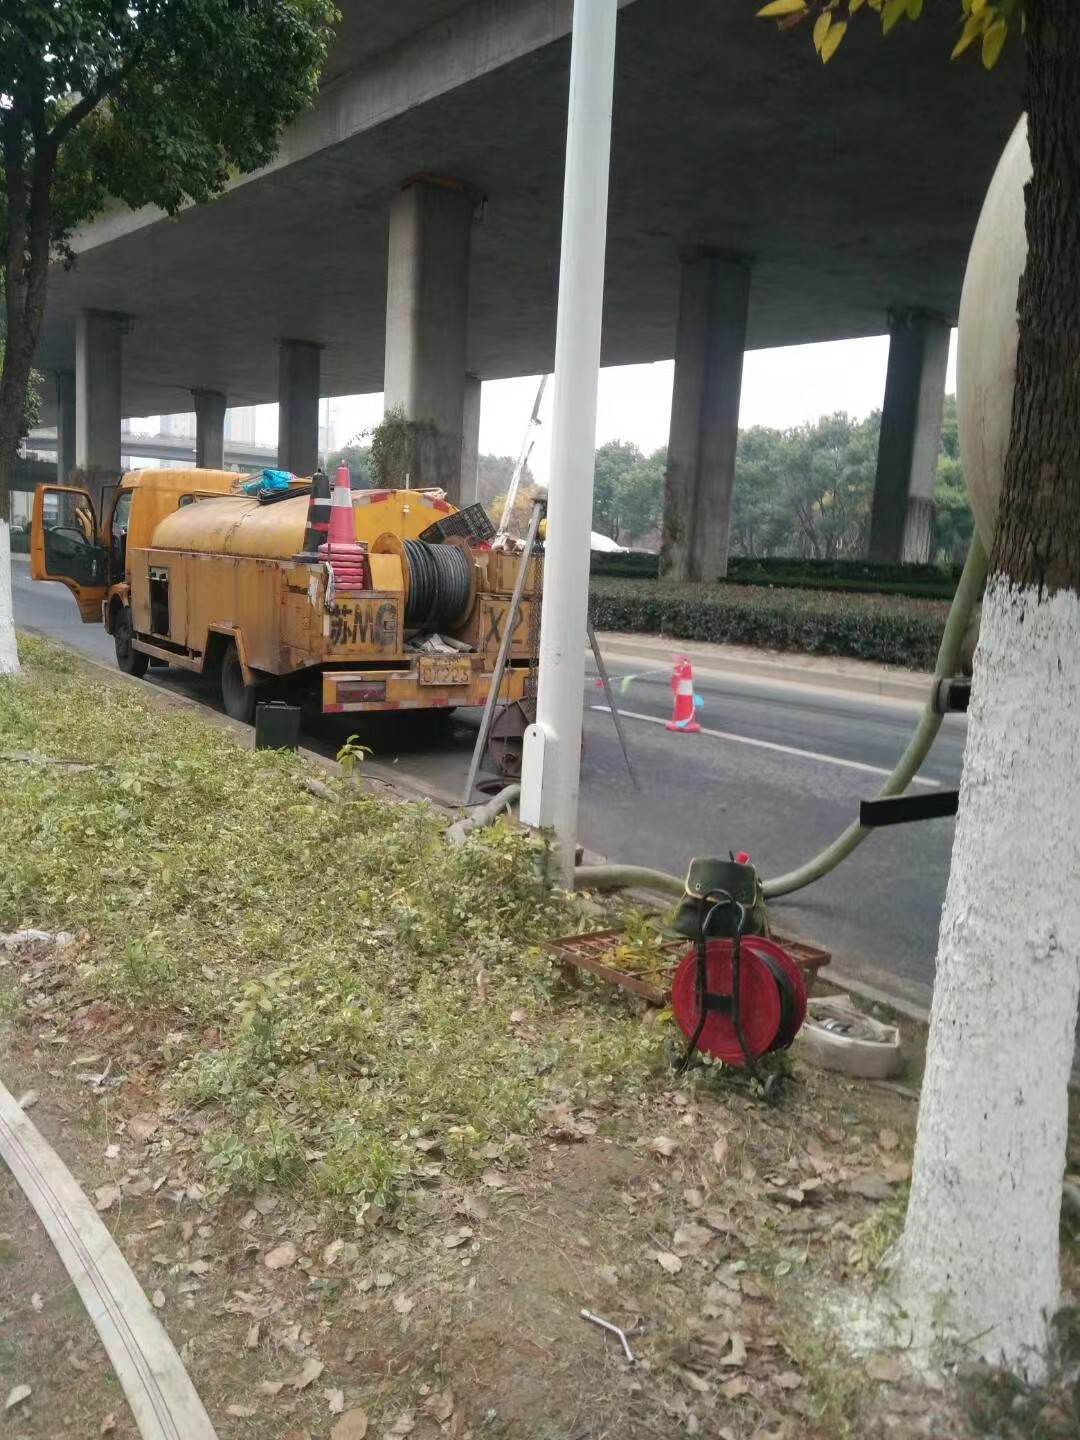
pixel 784 777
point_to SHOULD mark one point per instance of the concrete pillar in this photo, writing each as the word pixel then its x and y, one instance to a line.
pixel 470 441
pixel 427 297
pixel 65 425
pixel 209 429
pixel 714 294
pixel 98 338
pixel 298 406
pixel 902 517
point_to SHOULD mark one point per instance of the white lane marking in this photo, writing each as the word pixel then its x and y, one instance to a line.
pixel 772 745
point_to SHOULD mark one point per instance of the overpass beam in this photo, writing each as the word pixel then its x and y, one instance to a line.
pixel 470 441
pixel 209 429
pixel 98 369
pixel 298 406
pixel 714 295
pixel 902 516
pixel 65 425
pixel 427 300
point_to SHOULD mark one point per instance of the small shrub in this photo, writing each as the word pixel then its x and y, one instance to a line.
pixel 886 629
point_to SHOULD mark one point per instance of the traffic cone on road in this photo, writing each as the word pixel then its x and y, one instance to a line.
pixel 340 550
pixel 682 683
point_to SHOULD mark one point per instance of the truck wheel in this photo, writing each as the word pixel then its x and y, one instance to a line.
pixel 130 660
pixel 239 699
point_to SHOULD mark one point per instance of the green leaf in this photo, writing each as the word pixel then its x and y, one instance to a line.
pixel 914 9
pixel 831 43
pixel 891 13
pixel 855 5
pixel 778 8
pixel 993 42
pixel 972 29
pixel 821 29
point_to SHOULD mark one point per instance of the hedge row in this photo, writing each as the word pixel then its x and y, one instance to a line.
pixel 927 582
pixel 886 629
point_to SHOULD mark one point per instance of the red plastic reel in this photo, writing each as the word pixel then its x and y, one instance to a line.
pixel 759 1008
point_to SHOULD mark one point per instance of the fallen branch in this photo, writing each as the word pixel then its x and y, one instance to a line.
pixel 27 757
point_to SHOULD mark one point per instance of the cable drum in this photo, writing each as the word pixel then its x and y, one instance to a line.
pixel 440 584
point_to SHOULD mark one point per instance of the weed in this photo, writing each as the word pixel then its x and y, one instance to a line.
pixel 10 999
pixel 356 973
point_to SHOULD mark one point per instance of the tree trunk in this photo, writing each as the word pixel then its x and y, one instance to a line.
pixel 979 1256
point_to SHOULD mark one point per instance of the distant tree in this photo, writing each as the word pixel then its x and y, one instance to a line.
pixel 150 102
pixel 614 462
pixel 953 520
pixel 518 522
pixel 494 473
pixel 641 500
pixel 358 459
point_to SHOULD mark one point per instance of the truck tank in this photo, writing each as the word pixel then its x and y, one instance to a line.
pixel 241 525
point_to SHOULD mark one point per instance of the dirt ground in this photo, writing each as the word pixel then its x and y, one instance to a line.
pixel 725 1233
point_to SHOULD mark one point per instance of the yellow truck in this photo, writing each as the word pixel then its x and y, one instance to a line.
pixel 185 569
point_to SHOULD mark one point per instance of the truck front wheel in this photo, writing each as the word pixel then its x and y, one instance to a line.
pixel 239 699
pixel 130 660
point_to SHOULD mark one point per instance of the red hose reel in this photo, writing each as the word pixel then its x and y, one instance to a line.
pixel 760 991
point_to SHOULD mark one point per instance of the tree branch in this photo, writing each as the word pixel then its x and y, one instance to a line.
pixel 89 102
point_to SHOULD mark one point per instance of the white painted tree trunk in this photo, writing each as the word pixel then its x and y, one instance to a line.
pixel 979 1258
pixel 9 653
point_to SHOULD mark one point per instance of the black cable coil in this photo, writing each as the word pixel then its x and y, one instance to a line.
pixel 440 584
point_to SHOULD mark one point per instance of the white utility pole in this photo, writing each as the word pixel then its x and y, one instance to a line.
pixel 552 753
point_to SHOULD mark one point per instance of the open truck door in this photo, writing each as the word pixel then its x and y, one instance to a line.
pixel 65 546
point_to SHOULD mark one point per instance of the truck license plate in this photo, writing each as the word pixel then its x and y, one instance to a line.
pixel 445 670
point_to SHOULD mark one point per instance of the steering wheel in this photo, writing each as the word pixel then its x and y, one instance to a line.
pixel 71 535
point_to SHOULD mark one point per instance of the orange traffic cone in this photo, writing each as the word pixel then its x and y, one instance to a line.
pixel 340 550
pixel 682 683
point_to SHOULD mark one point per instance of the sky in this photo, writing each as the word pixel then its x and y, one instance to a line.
pixel 781 388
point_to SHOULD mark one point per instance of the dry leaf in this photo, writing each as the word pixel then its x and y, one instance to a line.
pixel 667 1261
pixel 662 1145
pixel 37 1302
pixel 494 1180
pixel 29 1100
pixel 270 1387
pixel 608 1274
pixel 440 1406
pixel 281 1256
pixel 405 1424
pixel 403 1304
pixel 720 1151
pixel 353 1425
pixel 870 1187
pixel 108 1425
pixel 888 1139
pixel 897 1171
pixel 691 1238
pixel 251 1341
pixel 788 1380
pixel 266 1204
pixel 17 1396
pixel 241 1412
pixel 332 1251
pixel 141 1127
pixel 199 1267
pixel 460 1237
pixel 158 1299
pixel 737 1354
pixel 384 1279
pixel 106 1197
pixel 308 1375
pixel 886 1369
pixel 696 1382
pixel 735 1387
pixel 335 1400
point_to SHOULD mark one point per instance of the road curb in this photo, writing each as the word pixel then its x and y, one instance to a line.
pixel 714 662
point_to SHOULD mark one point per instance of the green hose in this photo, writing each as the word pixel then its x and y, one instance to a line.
pixel 968 594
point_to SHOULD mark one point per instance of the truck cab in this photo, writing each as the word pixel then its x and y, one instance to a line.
pixel 70 543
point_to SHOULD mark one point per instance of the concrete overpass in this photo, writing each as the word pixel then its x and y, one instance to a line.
pixel 407 237
pixel 174 448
